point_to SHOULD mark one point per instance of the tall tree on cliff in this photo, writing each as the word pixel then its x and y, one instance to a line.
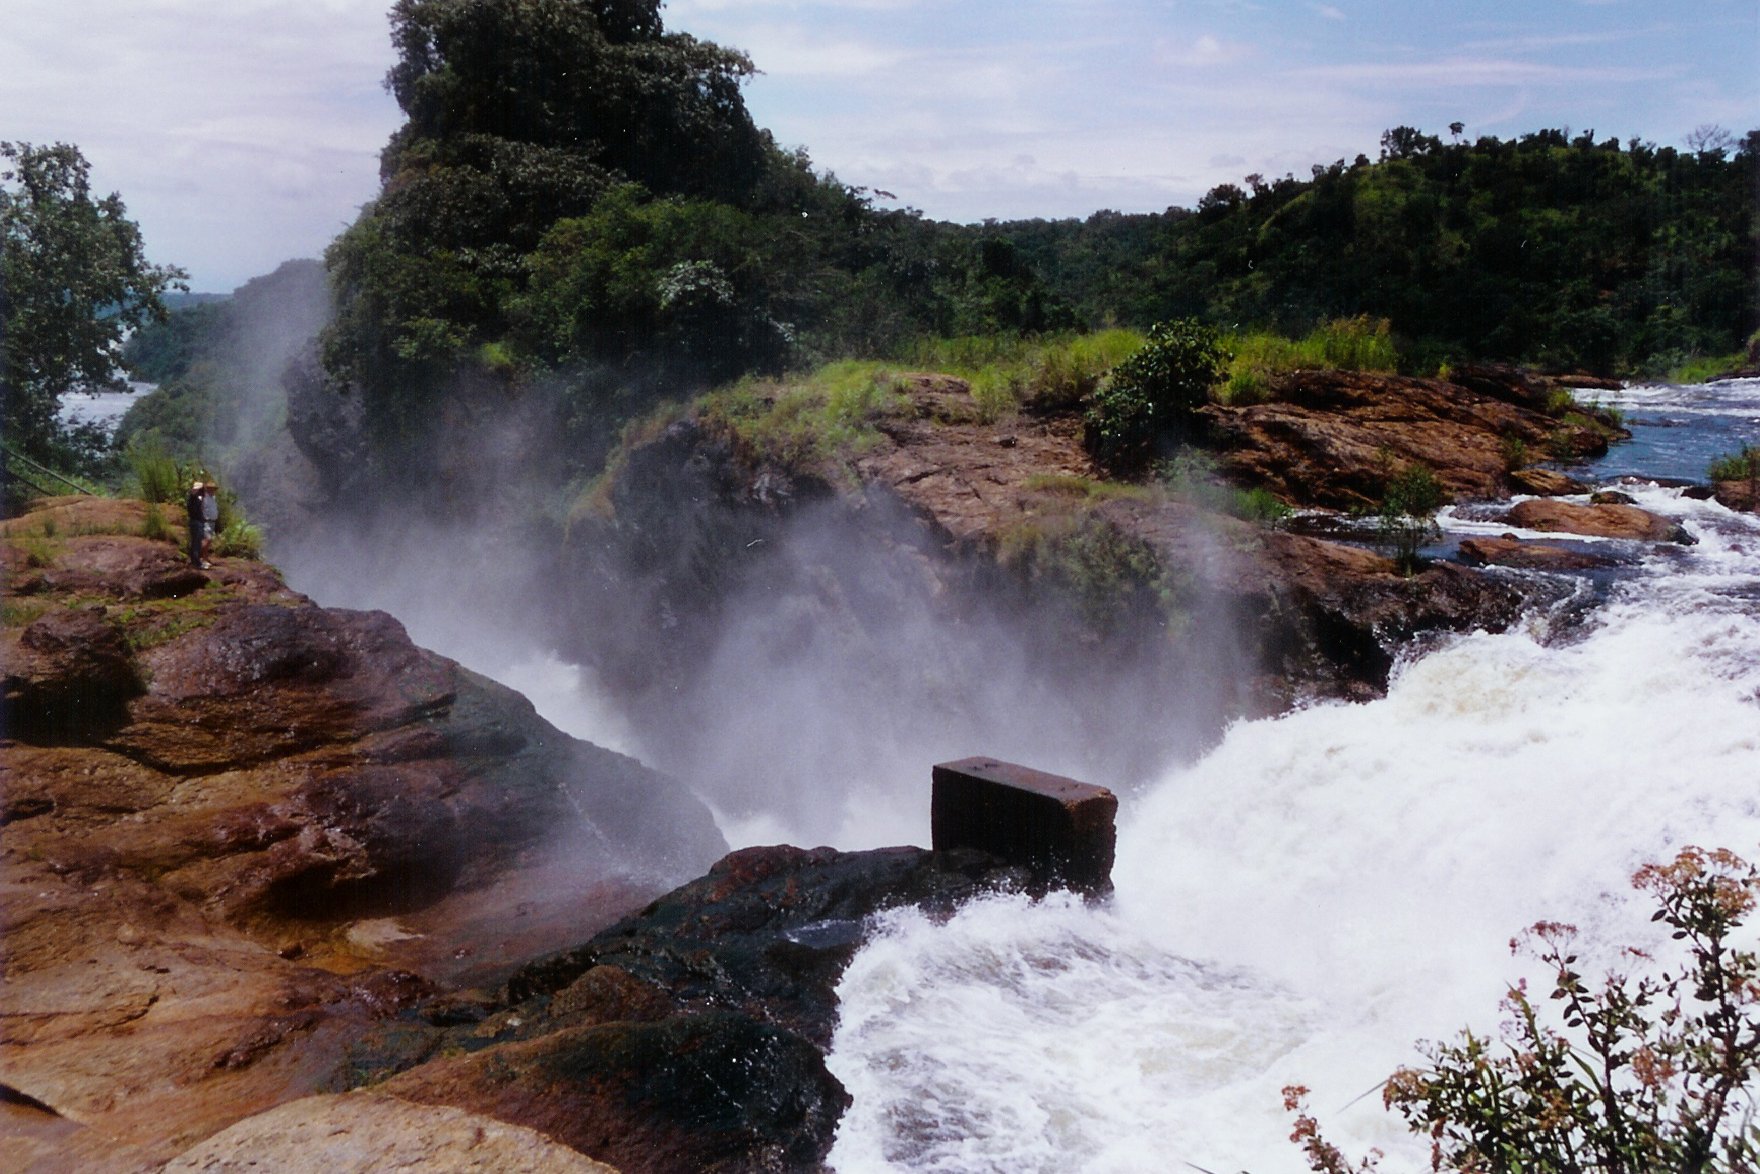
pixel 520 114
pixel 73 281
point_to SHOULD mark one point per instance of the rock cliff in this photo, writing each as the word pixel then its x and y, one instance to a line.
pixel 238 830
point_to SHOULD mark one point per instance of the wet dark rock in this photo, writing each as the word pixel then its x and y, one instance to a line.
pixel 68 676
pixel 1611 497
pixel 767 931
pixel 1530 556
pixel 712 1091
pixel 1062 831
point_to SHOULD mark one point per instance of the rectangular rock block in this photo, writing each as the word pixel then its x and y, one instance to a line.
pixel 1062 830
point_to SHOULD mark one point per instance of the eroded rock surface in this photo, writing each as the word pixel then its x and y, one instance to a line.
pixel 239 829
pixel 1598 520
pixel 1332 438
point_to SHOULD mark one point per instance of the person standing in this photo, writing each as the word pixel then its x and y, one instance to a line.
pixel 210 518
pixel 194 506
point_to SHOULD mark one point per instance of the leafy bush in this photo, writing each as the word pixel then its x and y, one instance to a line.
pixel 1408 513
pixel 1646 1072
pixel 1100 575
pixel 1155 392
pixel 1737 466
pixel 239 539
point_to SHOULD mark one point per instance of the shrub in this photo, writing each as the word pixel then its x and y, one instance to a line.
pixel 158 476
pixel 1737 466
pixel 1098 574
pixel 239 539
pixel 1408 513
pixel 1649 1071
pixel 1155 392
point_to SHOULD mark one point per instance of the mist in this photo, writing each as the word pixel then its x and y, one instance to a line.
pixel 824 685
pixel 800 665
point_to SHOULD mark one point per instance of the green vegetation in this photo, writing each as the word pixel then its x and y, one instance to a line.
pixel 1190 474
pixel 812 421
pixel 1346 344
pixel 1102 576
pixel 1737 466
pixel 1554 250
pixel 1154 393
pixel 155 622
pixel 1407 514
pixel 1008 373
pixel 1650 1070
pixel 75 282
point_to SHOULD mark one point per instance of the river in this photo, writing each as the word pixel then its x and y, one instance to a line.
pixel 1326 888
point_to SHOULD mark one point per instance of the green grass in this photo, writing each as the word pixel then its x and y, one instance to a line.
pixel 1087 489
pixel 1703 368
pixel 154 622
pixel 1343 344
pixel 1190 475
pixel 812 420
pixel 1008 374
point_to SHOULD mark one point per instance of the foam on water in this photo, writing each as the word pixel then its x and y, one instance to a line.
pixel 1320 892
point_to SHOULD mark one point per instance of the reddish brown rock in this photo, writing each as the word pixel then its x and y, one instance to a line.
pixel 1599 521
pixel 1531 556
pixel 1737 495
pixel 365 1132
pixel 1333 438
pixel 235 826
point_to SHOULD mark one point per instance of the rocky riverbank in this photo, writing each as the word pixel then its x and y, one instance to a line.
pixel 239 830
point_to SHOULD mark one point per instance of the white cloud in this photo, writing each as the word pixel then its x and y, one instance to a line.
pixel 1329 11
pixel 1202 51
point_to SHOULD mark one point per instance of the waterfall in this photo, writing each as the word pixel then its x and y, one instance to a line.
pixel 1323 890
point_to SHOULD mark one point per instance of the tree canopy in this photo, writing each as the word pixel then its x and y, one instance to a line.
pixel 73 281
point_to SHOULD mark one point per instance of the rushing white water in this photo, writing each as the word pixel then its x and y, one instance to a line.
pixel 1319 893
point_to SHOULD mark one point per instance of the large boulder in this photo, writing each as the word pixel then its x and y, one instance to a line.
pixel 1606 520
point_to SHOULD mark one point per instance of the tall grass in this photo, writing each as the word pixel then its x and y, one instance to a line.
pixel 1008 374
pixel 1361 343
pixel 813 418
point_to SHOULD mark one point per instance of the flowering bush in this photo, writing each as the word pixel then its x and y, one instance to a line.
pixel 1646 1072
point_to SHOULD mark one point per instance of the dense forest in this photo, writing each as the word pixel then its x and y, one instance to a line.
pixel 579 199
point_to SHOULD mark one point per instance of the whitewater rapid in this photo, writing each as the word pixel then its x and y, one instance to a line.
pixel 1320 892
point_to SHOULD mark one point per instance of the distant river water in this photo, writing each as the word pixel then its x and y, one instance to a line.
pixel 105 407
pixel 1326 888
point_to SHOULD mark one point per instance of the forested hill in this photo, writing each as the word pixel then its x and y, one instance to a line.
pixel 1550 249
pixel 579 205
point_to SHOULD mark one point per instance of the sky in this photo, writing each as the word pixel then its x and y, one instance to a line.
pixel 241 133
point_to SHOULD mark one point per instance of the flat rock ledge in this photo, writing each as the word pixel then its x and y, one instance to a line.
pixel 356 1133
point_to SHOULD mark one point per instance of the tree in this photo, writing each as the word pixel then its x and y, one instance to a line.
pixel 72 282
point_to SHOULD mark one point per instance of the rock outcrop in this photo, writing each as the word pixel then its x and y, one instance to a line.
pixel 240 829
pixel 1011 523
pixel 1332 438
pixel 690 1036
